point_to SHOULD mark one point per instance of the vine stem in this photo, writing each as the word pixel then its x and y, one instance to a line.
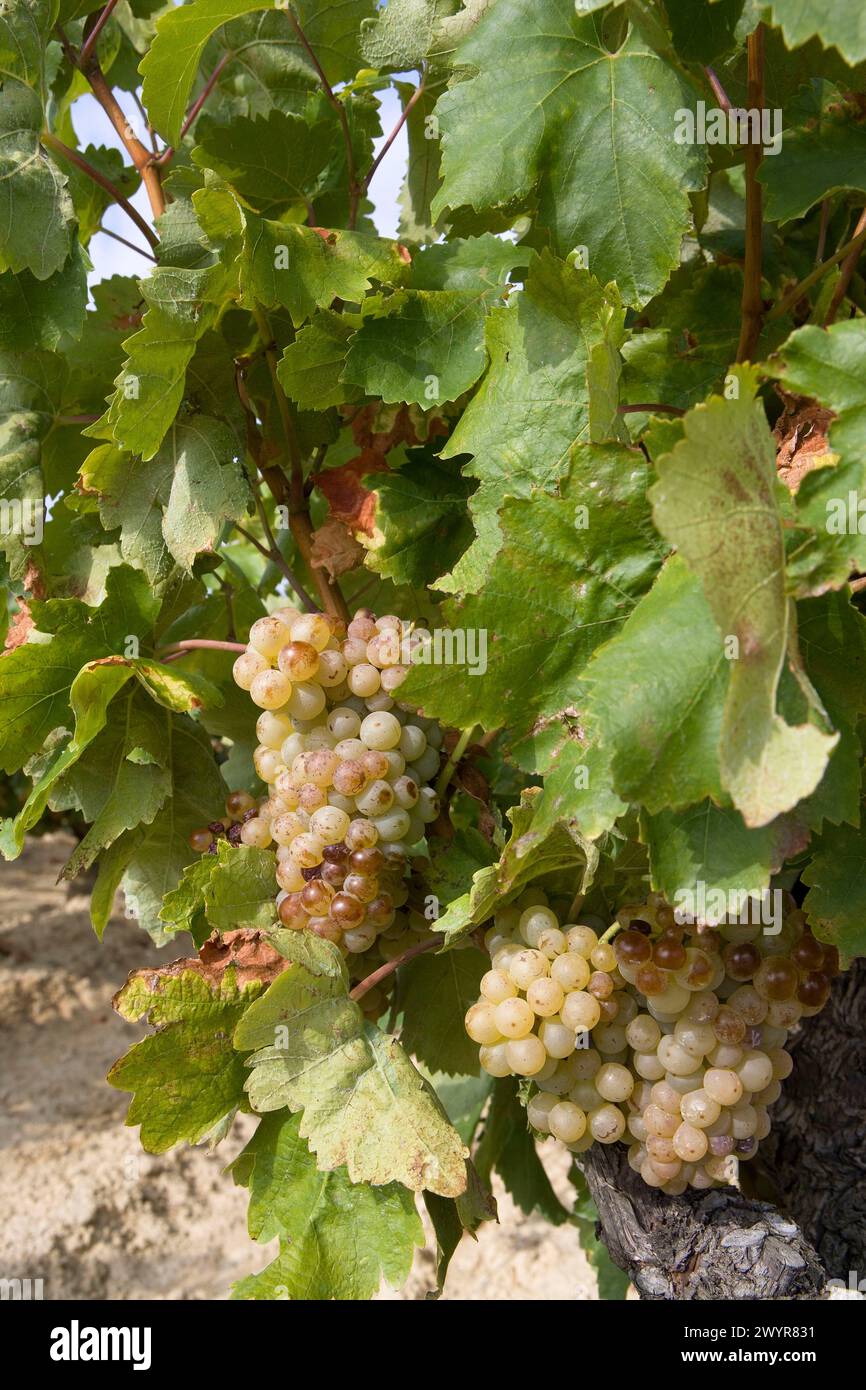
pixel 168 152
pixel 752 302
pixel 140 155
pixel 718 90
pixel 299 514
pixel 94 31
pixel 273 554
pixel 191 644
pixel 848 267
pixel 51 142
pixel 611 932
pixel 355 188
pixel 654 407
pixel 365 985
pixel 115 236
pixel 790 299
pixel 414 98
pixel 456 754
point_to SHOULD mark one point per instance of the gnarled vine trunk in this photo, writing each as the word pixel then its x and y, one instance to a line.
pixel 806 1222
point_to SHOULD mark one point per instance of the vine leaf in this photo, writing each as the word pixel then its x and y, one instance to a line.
pixel 435 992
pixel 660 720
pixel 569 572
pixel 551 383
pixel 828 365
pixel 173 506
pixel 36 212
pixel 183 304
pixel 44 313
pixel 421 523
pixel 187 1076
pixel 585 132
pixel 424 347
pixel 365 1106
pixel 814 162
pixel 274 162
pixel 836 23
pixel 711 845
pixel 310 369
pixel 718 501
pixel 36 678
pixel 338 1238
pixel 529 854
pixel 836 901
pixel 171 63
pixel 232 888
pixel 303 269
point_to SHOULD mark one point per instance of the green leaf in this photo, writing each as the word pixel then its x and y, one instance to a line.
pixel 578 785
pixel 814 162
pixel 471 263
pixel 401 35
pixel 186 1076
pixel 364 1103
pixel 44 313
pixel 567 576
pixel 586 132
pixel 508 1148
pixel 529 854
pixel 274 163
pixel 836 23
pixel 829 543
pixel 718 501
pixel 183 303
pixel 35 678
pixel 234 888
pixel 435 992
pixel 338 1239
pixel 421 523
pixel 121 780
pixel 31 387
pixel 660 719
pixel 703 29
pixel 172 507
pixel 310 369
pixel 836 902
pixel 300 270
pixel 420 346
pixel 691 338
pixel 158 855
pixel 553 371
pixel 90 695
pixel 36 213
pixel 711 845
pixel 170 66
pixel 422 170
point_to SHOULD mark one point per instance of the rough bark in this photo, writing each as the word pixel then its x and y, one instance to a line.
pixel 728 1245
pixel 813 1162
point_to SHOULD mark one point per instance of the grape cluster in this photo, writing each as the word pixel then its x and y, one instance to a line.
pixel 553 1008
pixel 672 1037
pixel 348 771
pixel 708 1047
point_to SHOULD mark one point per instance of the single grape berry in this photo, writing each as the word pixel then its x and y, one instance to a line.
pixel 631 948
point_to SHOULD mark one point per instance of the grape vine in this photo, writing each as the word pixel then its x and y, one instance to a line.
pixel 441 626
